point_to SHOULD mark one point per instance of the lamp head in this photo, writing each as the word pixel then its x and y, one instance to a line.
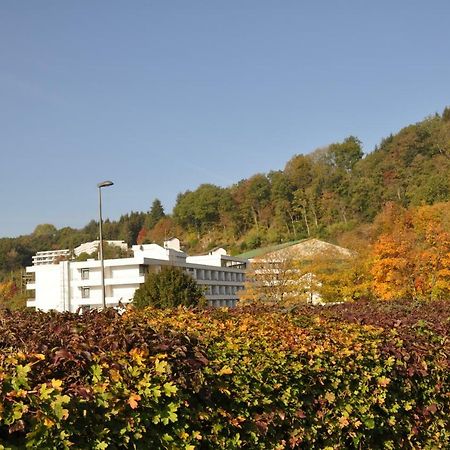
pixel 104 184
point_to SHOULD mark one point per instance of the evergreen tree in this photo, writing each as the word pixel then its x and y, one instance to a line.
pixel 446 114
pixel 155 214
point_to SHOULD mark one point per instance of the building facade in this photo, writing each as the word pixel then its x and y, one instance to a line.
pixel 71 285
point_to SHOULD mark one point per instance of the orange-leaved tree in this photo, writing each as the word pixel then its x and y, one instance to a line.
pixel 412 258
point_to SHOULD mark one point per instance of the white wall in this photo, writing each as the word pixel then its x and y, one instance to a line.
pixel 48 287
pixel 124 271
pixel 207 260
pixel 125 293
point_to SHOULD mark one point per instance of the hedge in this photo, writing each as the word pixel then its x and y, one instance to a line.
pixel 363 375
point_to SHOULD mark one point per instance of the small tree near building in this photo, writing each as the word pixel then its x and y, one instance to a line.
pixel 271 280
pixel 168 288
pixel 315 272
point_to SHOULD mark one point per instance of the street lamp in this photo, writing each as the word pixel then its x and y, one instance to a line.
pixel 100 186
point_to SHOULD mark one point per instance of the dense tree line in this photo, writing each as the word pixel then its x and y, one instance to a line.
pixel 325 193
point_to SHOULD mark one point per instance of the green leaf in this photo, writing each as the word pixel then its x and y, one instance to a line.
pixel 170 389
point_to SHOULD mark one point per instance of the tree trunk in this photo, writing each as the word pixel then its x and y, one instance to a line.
pixel 306 221
pixel 255 218
pixel 293 223
pixel 313 209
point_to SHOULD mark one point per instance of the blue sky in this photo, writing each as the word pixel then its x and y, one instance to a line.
pixel 163 96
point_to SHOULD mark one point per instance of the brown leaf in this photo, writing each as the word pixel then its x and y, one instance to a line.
pixel 19 425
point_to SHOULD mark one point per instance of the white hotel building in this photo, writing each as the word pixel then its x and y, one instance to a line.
pixel 65 285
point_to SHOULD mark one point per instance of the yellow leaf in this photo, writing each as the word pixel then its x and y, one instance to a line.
pixel 160 366
pixel 48 422
pixel 138 355
pixel 383 381
pixel 197 435
pixel 225 370
pixel 115 375
pixel 56 384
pixel 343 422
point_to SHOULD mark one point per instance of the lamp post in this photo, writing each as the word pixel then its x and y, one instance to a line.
pixel 100 186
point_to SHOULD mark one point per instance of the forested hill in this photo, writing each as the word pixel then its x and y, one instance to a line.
pixel 325 193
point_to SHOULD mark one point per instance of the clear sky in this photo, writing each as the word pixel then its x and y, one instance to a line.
pixel 161 96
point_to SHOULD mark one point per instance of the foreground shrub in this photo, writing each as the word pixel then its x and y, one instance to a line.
pixel 168 288
pixel 337 377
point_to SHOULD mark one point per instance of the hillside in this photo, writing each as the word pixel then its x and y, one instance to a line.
pixel 324 194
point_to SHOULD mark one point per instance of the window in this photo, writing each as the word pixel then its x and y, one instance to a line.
pixel 85 292
pixel 85 274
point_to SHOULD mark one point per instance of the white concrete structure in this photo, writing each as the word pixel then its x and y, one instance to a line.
pixel 69 285
pixel 91 247
pixel 218 259
pixel 50 256
pixel 173 243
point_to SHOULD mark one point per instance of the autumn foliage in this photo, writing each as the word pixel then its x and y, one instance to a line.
pixel 8 290
pixel 361 375
pixel 404 254
pixel 411 258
